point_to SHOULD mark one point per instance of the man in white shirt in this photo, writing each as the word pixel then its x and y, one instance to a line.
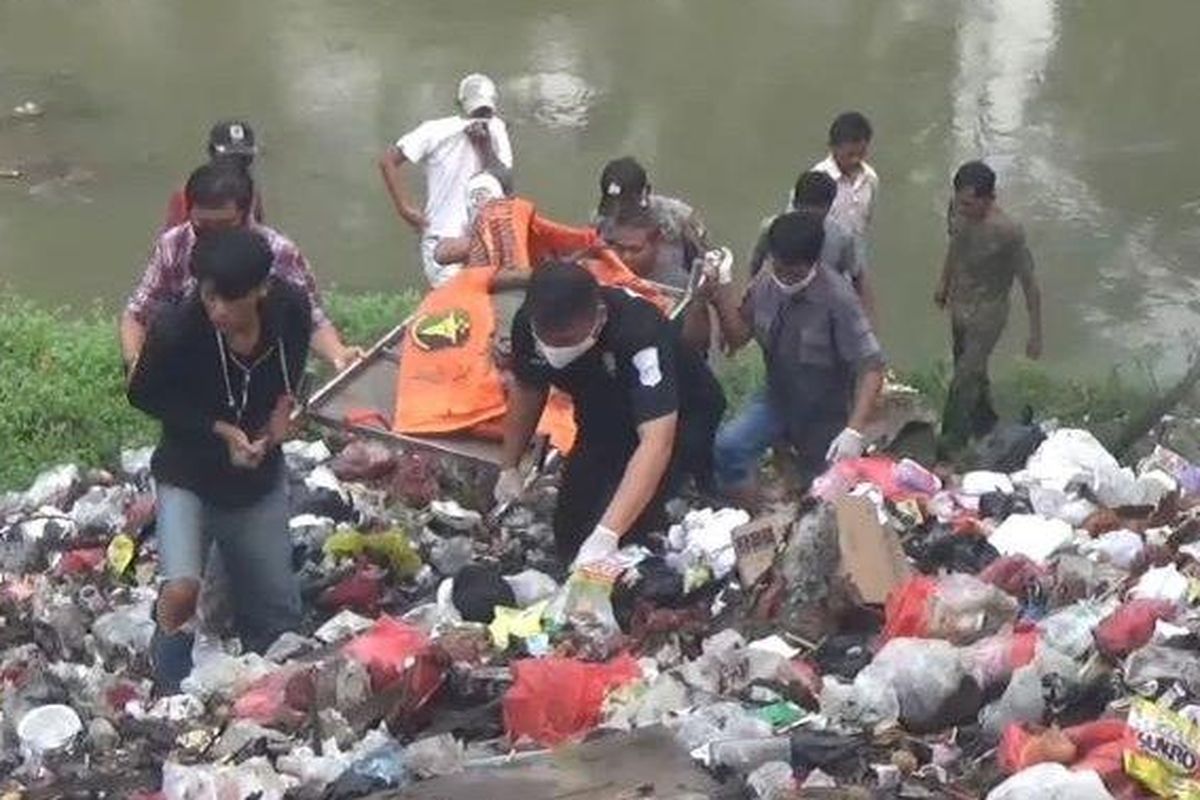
pixel 857 183
pixel 452 150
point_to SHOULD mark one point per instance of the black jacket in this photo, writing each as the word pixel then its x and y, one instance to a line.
pixel 188 379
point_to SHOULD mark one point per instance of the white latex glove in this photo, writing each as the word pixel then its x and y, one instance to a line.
pixel 597 547
pixel 508 486
pixel 718 265
pixel 847 444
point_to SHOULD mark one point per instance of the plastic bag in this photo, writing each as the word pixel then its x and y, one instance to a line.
pixel 1131 626
pixel 866 703
pixel 1075 456
pixel 1166 755
pixel 391 549
pixel 992 661
pixel 478 590
pixel 253 777
pixel 281 699
pixel 933 689
pixel 587 596
pixel 1022 702
pixel 1158 665
pixel 1120 547
pixel 1070 628
pixel 363 460
pixel 959 608
pixel 1163 583
pixel 385 650
pixel 1032 536
pixel 1051 781
pixel 1016 576
pixel 554 700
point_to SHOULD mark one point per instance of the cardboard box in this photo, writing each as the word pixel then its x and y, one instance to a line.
pixel 872 558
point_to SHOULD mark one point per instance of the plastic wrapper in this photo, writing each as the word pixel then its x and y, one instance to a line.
pixel 1165 756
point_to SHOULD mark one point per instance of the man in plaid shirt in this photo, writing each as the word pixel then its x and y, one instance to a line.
pixel 221 197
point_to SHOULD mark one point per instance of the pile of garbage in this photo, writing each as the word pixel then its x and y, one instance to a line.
pixel 898 633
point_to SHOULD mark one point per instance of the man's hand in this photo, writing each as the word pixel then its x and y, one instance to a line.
pixel 242 452
pixel 346 357
pixel 597 547
pixel 1033 347
pixel 416 219
pixel 847 444
pixel 477 131
pixel 509 486
pixel 718 265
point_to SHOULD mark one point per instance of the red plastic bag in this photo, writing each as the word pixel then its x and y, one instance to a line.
pixel 81 561
pixel 845 475
pixel 1020 748
pixel 281 699
pixel 1014 575
pixel 360 591
pixel 1131 626
pixel 1094 745
pixel 908 608
pixel 386 650
pixel 553 700
pixel 993 660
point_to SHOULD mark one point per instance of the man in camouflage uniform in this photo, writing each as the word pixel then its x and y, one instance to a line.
pixel 987 251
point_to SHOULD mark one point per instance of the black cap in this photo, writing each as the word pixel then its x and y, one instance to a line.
pixel 623 182
pixel 232 138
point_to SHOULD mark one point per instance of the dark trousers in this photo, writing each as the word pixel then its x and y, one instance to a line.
pixel 969 410
pixel 597 463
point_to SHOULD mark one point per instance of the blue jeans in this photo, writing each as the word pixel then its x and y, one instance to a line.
pixel 742 441
pixel 256 550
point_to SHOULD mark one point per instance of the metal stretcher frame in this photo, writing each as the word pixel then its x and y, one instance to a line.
pixel 370 384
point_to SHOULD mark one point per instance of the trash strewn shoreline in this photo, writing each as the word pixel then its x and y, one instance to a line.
pixel 902 632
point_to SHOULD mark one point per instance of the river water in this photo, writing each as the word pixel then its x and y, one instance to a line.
pixel 1086 109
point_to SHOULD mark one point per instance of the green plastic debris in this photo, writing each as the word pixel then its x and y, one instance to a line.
pixel 783 714
pixel 391 549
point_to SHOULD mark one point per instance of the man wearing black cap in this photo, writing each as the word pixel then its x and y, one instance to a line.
pixel 232 142
pixel 625 197
pixel 646 408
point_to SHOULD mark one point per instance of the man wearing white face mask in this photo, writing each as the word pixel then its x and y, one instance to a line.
pixel 824 365
pixel 646 407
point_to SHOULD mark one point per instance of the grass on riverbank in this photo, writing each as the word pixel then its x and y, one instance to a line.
pixel 62 397
pixel 62 394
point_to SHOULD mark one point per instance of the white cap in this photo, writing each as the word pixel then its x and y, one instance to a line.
pixel 477 91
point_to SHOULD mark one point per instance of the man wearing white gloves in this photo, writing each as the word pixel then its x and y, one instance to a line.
pixel 823 362
pixel 646 408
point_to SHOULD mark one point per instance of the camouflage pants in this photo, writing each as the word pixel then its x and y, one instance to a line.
pixel 974 333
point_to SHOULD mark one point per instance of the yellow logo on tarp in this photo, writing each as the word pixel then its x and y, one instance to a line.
pixel 441 329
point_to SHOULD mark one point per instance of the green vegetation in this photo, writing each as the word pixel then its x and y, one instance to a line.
pixel 62 397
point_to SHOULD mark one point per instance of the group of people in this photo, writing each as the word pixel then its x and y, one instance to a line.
pixel 216 335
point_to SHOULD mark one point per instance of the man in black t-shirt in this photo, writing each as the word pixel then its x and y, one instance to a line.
pixel 645 406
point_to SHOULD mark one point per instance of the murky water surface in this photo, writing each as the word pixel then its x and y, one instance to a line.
pixel 1087 110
